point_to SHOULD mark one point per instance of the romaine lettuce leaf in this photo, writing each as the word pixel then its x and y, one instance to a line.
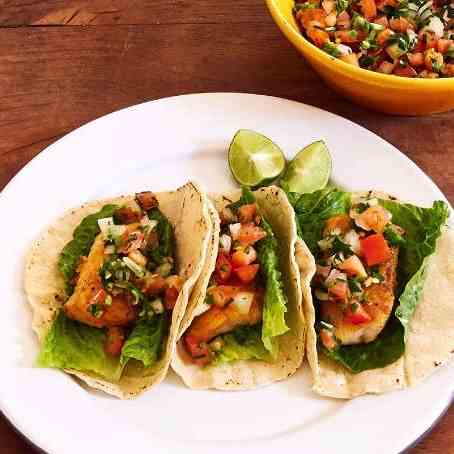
pixel 312 210
pixel 165 233
pixel 275 302
pixel 242 344
pixel 73 345
pixel 83 237
pixel 145 341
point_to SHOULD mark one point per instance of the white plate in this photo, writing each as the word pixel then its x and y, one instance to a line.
pixel 159 145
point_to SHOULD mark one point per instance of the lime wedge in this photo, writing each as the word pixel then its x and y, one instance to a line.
pixel 309 170
pixel 254 160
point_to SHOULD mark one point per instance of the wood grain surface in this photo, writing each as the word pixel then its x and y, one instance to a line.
pixel 66 62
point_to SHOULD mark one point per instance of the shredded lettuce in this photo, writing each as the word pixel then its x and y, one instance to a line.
pixel 83 238
pixel 422 227
pixel 242 344
pixel 73 345
pixel 145 341
pixel 275 302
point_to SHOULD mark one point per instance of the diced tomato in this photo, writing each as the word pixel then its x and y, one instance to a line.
pixel 243 256
pixel 170 297
pixel 369 9
pixel 250 234
pixel 353 267
pixel 310 15
pixel 404 71
pixel 416 59
pixel 131 242
pixel 222 294
pixel 375 249
pixel 356 314
pixel 317 36
pixel 443 45
pixel 339 291
pixel 98 297
pixel 246 213
pixel 328 339
pixel 154 284
pixel 343 21
pixel 384 35
pixel 247 273
pixel 429 39
pixel 115 338
pixel 342 223
pixel 195 348
pixel 382 20
pixel 223 268
pixel 401 24
pixel 347 36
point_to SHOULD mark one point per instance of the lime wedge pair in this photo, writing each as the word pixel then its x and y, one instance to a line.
pixel 255 160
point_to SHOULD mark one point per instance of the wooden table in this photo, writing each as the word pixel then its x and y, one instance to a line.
pixel 66 62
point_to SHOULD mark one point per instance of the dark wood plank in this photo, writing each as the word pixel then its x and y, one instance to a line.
pixel 102 12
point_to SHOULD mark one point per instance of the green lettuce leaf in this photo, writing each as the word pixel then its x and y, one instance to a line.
pixel 312 210
pixel 247 197
pixel 386 349
pixel 73 345
pixel 145 341
pixel 422 229
pixel 165 233
pixel 83 237
pixel 275 302
pixel 242 344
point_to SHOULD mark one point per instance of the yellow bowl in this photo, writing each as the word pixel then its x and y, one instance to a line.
pixel 382 92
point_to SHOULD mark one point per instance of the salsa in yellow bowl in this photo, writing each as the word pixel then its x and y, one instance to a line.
pixel 386 93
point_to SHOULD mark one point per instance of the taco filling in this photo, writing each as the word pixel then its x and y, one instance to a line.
pixel 355 281
pixel 371 255
pixel 120 275
pixel 245 301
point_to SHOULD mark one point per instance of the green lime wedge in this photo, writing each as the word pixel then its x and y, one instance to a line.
pixel 254 160
pixel 309 170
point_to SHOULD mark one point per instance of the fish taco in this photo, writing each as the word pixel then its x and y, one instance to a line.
pixel 381 313
pixel 244 326
pixel 109 282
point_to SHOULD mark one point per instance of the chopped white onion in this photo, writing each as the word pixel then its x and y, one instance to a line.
pixel 335 275
pixel 104 225
pixel 109 249
pixel 157 306
pixel 225 241
pixel 235 230
pixel 242 301
pixel 352 239
pixel 436 26
pixel 343 49
pixel 325 243
pixel 136 269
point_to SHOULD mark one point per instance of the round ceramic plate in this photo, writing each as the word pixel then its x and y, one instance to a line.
pixel 160 145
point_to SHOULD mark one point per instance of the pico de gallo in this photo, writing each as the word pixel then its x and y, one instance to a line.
pixel 410 38
pixel 233 325
pixel 355 280
pixel 128 279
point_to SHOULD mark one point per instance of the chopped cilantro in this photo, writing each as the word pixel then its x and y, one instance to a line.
pixel 339 246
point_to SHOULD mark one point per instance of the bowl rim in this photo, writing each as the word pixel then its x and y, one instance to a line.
pixel 298 40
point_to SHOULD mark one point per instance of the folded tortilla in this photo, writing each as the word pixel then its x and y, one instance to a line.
pixel 188 212
pixel 429 341
pixel 247 374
